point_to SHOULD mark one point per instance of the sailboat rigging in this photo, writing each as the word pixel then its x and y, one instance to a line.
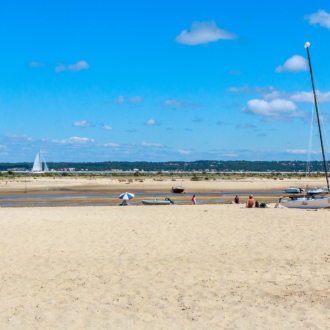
pixel 311 202
pixel 317 114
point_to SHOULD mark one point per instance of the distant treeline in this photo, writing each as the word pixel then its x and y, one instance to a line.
pixel 200 165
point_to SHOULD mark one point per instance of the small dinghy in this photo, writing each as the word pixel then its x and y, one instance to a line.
pixel 293 190
pixel 315 191
pixel 167 201
pixel 177 190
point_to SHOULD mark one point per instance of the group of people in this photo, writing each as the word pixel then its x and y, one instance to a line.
pixel 250 203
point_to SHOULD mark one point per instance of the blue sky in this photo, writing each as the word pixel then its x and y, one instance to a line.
pixel 161 80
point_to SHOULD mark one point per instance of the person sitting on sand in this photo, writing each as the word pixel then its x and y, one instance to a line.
pixel 194 200
pixel 250 203
pixel 236 200
pixel 124 203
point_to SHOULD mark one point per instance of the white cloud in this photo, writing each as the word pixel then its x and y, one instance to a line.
pixel 301 151
pixel 107 128
pixel 295 63
pixel 321 17
pixel 246 89
pixel 35 64
pixel 60 67
pixel 84 123
pixel 2 146
pixel 173 103
pixel 110 144
pixel 309 97
pixel 270 93
pixel 80 65
pixel 77 140
pixel 273 95
pixel 296 151
pixel 195 105
pixel 119 99
pixel 17 137
pixel 275 110
pixel 230 155
pixel 149 144
pixel 184 152
pixel 50 140
pixel 203 33
pixel 151 122
pixel 136 99
pixel 244 126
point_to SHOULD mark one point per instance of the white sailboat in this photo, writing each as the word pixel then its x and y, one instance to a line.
pixel 39 165
pixel 311 201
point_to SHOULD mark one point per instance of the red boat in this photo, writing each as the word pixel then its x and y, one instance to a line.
pixel 177 190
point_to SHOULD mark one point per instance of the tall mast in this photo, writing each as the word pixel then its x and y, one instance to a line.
pixel 307 44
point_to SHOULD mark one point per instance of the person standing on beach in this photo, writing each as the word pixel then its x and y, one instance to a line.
pixel 250 203
pixel 194 200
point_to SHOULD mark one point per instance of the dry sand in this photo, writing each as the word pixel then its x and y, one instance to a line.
pixel 172 267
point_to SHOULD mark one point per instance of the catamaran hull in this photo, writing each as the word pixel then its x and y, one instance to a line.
pixel 303 203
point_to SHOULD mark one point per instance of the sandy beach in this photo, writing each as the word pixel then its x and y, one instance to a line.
pixel 44 185
pixel 180 267
pixel 103 191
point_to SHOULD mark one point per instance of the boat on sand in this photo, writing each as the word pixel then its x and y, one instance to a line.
pixel 167 201
pixel 311 201
pixel 315 191
pixel 177 190
pixel 293 190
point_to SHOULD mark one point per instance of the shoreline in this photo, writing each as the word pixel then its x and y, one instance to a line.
pixel 105 191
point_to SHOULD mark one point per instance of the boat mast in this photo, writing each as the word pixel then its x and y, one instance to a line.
pixel 307 44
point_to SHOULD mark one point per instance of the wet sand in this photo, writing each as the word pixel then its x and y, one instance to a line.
pixel 83 190
pixel 58 185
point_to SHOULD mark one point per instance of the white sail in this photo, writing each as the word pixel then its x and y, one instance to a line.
pixel 37 166
pixel 46 169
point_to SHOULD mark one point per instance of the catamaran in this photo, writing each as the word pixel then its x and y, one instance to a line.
pixel 39 165
pixel 311 201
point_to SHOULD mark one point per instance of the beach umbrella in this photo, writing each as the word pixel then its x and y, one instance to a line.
pixel 126 195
